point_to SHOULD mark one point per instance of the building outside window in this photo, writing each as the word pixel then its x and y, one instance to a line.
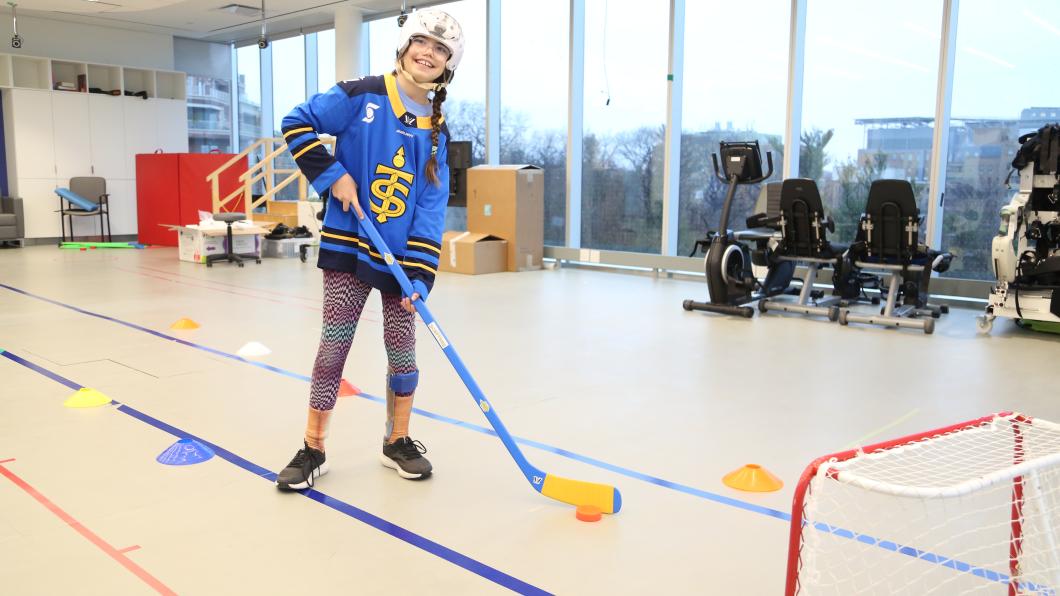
pixel 744 103
pixel 534 117
pixel 625 116
pixel 1001 90
pixel 209 114
pixel 869 100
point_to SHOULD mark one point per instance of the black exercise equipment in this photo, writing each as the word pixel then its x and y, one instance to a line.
pixel 804 241
pixel 731 283
pixel 889 241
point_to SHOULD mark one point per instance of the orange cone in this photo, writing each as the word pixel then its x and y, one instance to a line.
pixel 347 390
pixel 184 324
pixel 753 478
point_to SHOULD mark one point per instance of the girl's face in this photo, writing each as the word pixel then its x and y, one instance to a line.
pixel 425 59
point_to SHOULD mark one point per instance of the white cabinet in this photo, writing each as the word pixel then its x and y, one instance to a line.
pixel 39 203
pixel 31 125
pixel 171 116
pixel 122 206
pixel 52 136
pixel 73 147
pixel 141 131
pixel 107 133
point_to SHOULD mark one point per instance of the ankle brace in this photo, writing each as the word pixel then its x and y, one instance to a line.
pixel 399 392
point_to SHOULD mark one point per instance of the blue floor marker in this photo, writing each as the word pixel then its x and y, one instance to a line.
pixel 185 452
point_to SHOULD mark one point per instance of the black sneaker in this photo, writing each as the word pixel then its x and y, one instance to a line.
pixel 301 232
pixel 406 456
pixel 280 232
pixel 307 465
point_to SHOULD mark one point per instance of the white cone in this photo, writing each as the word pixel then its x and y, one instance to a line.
pixel 253 350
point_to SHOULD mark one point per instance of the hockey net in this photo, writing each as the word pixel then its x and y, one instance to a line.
pixel 973 508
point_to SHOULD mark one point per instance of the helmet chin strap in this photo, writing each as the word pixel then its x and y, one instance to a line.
pixel 429 86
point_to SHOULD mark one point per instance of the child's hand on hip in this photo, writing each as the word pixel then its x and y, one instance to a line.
pixel 345 190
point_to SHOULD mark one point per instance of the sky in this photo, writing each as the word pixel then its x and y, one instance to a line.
pixel 863 60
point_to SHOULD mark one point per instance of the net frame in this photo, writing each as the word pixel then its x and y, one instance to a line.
pixel 1013 471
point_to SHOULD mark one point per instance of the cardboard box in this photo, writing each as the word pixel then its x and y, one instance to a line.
pixel 194 245
pixel 509 202
pixel 465 252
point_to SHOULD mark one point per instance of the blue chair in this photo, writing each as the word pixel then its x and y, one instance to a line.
pixel 86 197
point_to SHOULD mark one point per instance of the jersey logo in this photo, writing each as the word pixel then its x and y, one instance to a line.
pixel 370 111
pixel 392 190
pixel 408 119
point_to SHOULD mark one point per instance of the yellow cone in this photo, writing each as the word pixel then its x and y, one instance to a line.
pixel 184 324
pixel 86 398
pixel 753 478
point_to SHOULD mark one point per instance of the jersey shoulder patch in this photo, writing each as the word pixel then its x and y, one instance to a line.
pixel 363 85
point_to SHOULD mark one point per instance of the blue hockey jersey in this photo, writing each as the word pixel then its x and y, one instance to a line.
pixel 385 148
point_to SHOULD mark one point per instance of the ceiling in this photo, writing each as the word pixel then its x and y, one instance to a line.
pixel 204 19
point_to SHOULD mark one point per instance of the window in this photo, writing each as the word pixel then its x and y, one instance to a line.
pixel 325 60
pixel 1001 89
pixel 288 90
pixel 625 114
pixel 248 89
pixel 724 103
pixel 288 77
pixel 534 116
pixel 209 114
pixel 869 98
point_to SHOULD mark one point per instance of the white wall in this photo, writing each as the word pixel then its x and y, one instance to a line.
pixel 202 58
pixel 91 43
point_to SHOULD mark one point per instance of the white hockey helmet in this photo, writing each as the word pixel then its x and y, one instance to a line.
pixel 439 26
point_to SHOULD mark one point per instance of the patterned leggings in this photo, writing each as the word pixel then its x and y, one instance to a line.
pixel 344 298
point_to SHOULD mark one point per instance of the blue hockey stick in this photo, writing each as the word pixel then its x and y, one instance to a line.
pixel 575 492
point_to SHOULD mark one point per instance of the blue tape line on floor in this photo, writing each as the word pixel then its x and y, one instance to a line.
pixel 722 499
pixel 453 421
pixel 426 544
pixel 781 515
pixel 43 371
pixel 161 335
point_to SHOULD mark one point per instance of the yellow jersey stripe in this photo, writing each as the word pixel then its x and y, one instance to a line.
pixel 347 238
pixel 375 254
pixel 306 148
pixel 427 246
pixel 291 132
pixel 392 93
pixel 399 107
pixel 421 266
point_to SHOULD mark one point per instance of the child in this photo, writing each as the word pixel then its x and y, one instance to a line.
pixel 390 165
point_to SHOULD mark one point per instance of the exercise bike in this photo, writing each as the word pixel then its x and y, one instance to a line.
pixel 730 280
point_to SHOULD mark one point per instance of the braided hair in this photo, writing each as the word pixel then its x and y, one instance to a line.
pixel 431 170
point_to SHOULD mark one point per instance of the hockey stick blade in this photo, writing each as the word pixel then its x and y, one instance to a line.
pixel 575 492
pixel 578 492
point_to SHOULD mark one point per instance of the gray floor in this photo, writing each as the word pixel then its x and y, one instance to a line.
pixel 605 366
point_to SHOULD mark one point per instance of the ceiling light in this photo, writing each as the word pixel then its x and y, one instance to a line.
pixel 241 10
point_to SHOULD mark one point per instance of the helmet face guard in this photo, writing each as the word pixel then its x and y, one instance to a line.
pixel 437 26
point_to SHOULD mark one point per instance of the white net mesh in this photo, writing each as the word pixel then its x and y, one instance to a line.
pixel 975 511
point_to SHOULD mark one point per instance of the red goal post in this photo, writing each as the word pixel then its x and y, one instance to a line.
pixel 956 506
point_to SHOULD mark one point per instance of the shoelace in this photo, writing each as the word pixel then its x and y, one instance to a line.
pixel 299 460
pixel 411 449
